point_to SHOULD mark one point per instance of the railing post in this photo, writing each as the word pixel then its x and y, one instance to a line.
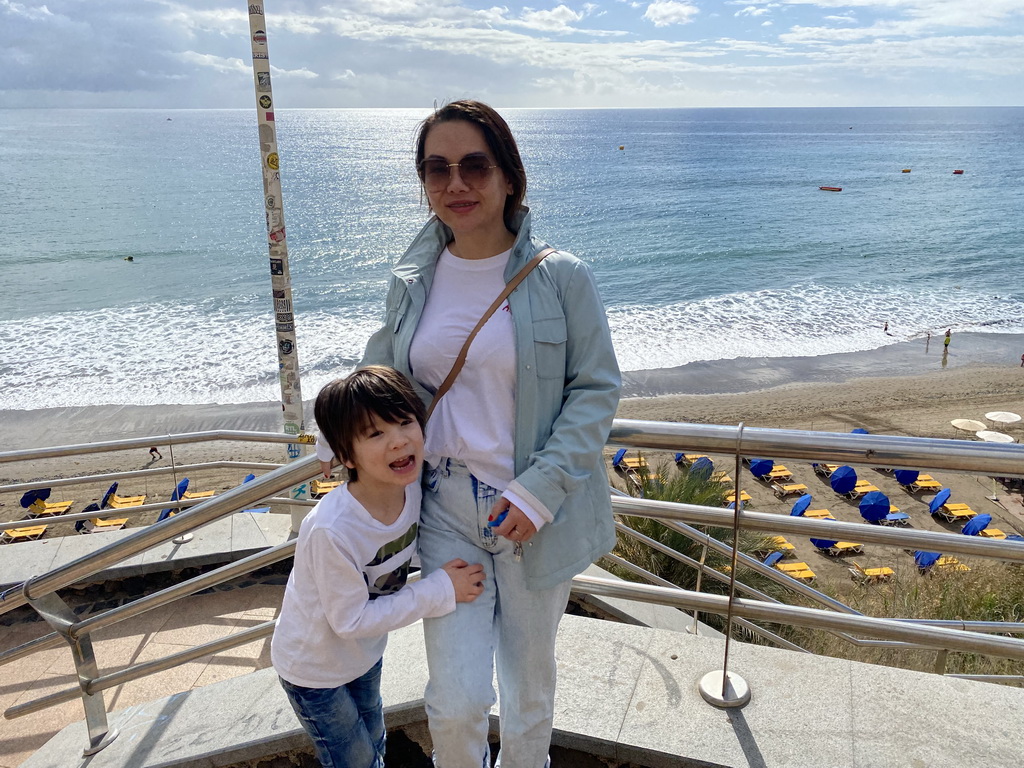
pixel 60 617
pixel 940 661
pixel 723 688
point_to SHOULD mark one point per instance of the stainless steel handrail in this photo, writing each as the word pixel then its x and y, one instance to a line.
pixel 64 482
pixel 181 438
pixel 813 618
pixel 893 451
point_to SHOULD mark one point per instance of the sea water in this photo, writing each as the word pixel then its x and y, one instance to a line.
pixel 706 229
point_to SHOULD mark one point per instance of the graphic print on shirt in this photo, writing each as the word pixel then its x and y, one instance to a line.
pixel 388 570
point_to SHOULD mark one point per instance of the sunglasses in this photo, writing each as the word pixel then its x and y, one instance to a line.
pixel 474 170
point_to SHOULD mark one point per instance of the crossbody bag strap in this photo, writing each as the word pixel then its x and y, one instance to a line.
pixel 461 359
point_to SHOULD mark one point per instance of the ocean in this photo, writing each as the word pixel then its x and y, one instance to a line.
pixel 706 229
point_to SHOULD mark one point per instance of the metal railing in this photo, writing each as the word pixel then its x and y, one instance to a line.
pixel 957 455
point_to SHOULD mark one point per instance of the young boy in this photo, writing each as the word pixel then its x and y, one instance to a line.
pixel 347 587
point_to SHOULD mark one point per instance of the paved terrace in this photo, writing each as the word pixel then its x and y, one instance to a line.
pixel 626 693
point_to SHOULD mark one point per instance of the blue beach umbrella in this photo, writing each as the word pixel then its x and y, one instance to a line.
pixel 874 506
pixel 800 505
pixel 106 496
pixel 976 525
pixel 31 497
pixel 906 476
pixel 859 431
pixel 616 459
pixel 843 479
pixel 702 467
pixel 926 559
pixel 761 467
pixel 176 494
pixel 248 477
pixel 940 498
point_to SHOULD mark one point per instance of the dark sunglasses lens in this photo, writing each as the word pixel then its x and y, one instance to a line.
pixel 435 173
pixel 475 170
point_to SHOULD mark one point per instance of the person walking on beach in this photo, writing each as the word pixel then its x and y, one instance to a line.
pixel 885 327
pixel 155 454
pixel 949 335
pixel 347 588
pixel 1022 361
pixel 515 477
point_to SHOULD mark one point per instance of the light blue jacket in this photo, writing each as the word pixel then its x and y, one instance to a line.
pixel 567 390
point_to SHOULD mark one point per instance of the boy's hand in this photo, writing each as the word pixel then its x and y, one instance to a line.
pixel 326 468
pixel 467 579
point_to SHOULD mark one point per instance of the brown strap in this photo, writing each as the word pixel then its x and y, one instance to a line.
pixel 461 359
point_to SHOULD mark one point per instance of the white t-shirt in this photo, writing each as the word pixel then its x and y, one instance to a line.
pixel 347 590
pixel 475 421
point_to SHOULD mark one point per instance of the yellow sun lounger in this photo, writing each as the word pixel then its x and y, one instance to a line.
pixel 800 571
pixel 689 458
pixel 992 533
pixel 870 575
pixel 721 477
pixel 197 494
pixel 783 490
pixel 861 488
pixel 925 483
pixel 818 514
pixel 28 533
pixel 954 513
pixel 40 508
pixel 319 487
pixel 744 497
pixel 96 525
pixel 951 564
pixel 843 548
pixel 778 474
pixel 122 502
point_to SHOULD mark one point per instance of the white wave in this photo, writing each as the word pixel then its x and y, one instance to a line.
pixel 205 352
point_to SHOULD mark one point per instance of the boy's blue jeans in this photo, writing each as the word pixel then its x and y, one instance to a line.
pixel 345 723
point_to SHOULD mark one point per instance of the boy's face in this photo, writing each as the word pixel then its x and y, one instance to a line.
pixel 388 453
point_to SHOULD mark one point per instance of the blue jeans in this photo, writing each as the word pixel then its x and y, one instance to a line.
pixel 345 723
pixel 508 625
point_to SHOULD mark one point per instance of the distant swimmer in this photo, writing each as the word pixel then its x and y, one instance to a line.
pixel 949 335
pixel 129 258
pixel 155 453
pixel 886 326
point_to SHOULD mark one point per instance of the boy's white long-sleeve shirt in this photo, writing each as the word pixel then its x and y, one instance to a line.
pixel 347 590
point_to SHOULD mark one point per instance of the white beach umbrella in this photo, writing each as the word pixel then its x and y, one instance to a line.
pixel 1003 417
pixel 994 437
pixel 967 425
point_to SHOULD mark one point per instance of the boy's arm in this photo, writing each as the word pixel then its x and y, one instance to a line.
pixel 346 599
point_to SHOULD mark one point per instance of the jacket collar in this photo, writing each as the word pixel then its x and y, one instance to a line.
pixel 420 258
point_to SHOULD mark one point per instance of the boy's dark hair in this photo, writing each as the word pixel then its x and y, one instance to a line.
pixel 345 407
pixel 499 140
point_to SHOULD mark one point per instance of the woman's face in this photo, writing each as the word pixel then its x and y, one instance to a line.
pixel 473 207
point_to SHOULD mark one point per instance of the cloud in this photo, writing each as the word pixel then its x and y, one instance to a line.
pixel 666 12
pixel 751 10
pixel 559 19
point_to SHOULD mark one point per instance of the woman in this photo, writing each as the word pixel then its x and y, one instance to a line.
pixel 515 479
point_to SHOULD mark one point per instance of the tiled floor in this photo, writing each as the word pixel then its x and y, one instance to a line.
pixel 163 631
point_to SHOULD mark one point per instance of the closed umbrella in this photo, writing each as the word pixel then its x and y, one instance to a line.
pixel 976 525
pixel 874 506
pixel 906 476
pixel 800 505
pixel 859 431
pixel 106 497
pixel 940 498
pixel 702 467
pixel 176 494
pixel 843 479
pixel 824 543
pixel 761 467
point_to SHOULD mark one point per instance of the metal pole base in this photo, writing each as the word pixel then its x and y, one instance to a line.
pixel 185 538
pixel 108 737
pixel 736 693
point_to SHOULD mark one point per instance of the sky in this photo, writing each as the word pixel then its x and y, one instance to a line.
pixel 544 53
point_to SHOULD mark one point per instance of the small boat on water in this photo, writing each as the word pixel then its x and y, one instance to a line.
pixel 905 170
pixel 831 189
pixel 958 172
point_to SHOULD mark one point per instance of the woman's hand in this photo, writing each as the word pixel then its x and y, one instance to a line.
pixel 325 468
pixel 514 524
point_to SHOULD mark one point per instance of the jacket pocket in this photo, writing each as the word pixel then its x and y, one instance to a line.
pixel 549 338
